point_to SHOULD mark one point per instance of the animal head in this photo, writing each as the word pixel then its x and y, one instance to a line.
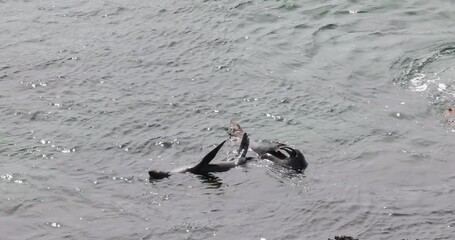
pixel 154 174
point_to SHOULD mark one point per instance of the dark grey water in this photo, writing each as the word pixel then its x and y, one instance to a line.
pixel 94 93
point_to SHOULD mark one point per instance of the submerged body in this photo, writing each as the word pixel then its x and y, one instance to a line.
pixel 449 115
pixel 276 152
pixel 205 167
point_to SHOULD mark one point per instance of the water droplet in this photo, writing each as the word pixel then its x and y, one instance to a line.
pixel 56 225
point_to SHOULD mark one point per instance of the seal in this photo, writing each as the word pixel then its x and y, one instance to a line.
pixel 205 167
pixel 277 152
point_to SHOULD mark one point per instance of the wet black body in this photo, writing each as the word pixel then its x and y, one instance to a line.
pixel 205 167
pixel 276 152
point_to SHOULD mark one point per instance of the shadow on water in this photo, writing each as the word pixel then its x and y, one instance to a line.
pixel 343 238
pixel 211 180
pixel 282 174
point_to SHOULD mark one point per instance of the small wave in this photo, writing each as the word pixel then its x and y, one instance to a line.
pixel 433 73
pixel 13 178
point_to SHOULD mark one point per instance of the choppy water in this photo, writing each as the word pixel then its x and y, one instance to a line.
pixel 94 93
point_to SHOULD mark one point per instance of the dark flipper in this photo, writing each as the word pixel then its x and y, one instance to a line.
pixel 243 149
pixel 280 152
pixel 209 157
pixel 244 144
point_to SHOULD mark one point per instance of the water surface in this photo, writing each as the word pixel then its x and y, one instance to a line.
pixel 94 93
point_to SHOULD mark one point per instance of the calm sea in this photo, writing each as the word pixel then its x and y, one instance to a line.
pixel 95 93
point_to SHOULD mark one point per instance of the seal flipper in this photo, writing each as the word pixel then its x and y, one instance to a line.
pixel 243 149
pixel 209 157
pixel 283 152
pixel 244 144
pixel 234 131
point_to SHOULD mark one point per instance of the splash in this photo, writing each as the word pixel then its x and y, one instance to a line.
pixel 433 74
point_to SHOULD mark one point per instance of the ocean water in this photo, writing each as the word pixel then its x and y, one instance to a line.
pixel 95 93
